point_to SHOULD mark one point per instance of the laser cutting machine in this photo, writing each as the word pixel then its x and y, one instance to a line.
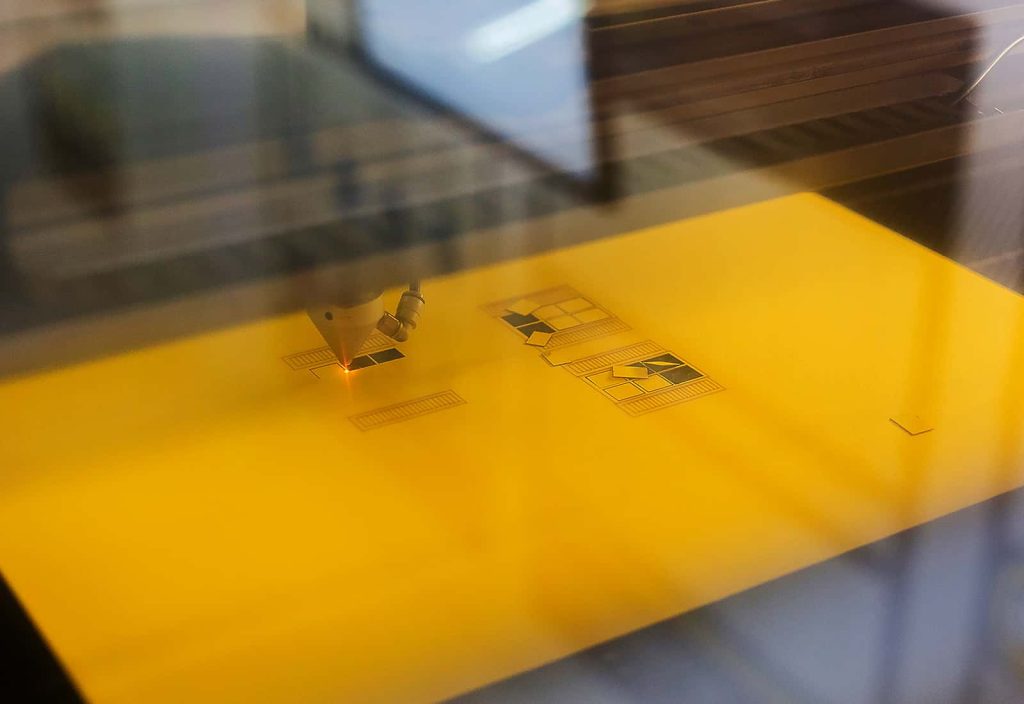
pixel 717 293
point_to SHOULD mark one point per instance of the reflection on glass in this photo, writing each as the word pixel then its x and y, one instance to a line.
pixel 517 68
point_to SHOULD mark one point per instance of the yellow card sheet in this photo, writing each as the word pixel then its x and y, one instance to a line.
pixel 221 519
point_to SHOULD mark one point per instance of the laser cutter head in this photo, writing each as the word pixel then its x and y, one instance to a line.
pixel 346 327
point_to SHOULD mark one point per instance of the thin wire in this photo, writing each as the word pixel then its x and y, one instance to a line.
pixel 979 79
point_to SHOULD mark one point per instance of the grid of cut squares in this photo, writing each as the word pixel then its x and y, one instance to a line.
pixel 555 317
pixel 323 357
pixel 360 362
pixel 664 370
